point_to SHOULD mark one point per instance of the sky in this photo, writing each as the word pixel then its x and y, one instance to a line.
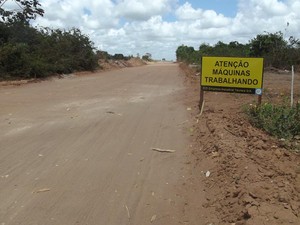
pixel 158 27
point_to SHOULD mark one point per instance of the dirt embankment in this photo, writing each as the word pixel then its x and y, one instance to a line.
pixel 117 64
pixel 105 65
pixel 250 177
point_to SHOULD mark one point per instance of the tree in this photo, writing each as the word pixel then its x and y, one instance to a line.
pixel 118 56
pixel 271 46
pixel 103 55
pixel 185 54
pixel 264 44
pixel 275 50
pixel 205 49
pixel 39 53
pixel 29 52
pixel 147 57
pixel 29 9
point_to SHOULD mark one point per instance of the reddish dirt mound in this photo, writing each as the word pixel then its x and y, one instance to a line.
pixel 116 64
pixel 249 177
pixel 136 62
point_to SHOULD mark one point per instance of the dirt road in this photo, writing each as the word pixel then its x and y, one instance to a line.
pixel 78 150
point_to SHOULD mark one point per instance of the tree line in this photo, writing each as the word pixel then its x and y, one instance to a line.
pixel 27 52
pixel 276 51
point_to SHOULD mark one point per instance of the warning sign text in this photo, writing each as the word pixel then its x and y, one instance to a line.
pixel 242 75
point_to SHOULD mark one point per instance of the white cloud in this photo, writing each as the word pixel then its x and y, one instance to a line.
pixel 139 26
pixel 202 18
pixel 73 13
pixel 143 9
pixel 187 12
pixel 256 16
pixel 262 9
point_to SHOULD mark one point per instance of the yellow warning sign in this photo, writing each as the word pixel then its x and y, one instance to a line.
pixel 229 74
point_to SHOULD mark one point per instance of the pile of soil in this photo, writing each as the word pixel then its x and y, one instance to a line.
pixel 117 64
pixel 248 176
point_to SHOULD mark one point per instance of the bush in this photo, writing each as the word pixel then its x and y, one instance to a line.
pixel 280 121
pixel 26 52
pixel 14 60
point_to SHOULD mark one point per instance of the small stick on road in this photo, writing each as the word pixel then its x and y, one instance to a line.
pixel 128 214
pixel 41 190
pixel 163 150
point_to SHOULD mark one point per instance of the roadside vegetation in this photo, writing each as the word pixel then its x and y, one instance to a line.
pixel 27 52
pixel 279 120
pixel 276 51
pixel 43 52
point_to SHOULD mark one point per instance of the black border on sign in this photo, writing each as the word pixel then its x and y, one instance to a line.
pixel 229 89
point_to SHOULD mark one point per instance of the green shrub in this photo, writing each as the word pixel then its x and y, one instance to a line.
pixel 26 52
pixel 280 121
pixel 39 68
pixel 14 60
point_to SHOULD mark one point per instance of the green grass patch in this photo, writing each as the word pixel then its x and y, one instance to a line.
pixel 281 121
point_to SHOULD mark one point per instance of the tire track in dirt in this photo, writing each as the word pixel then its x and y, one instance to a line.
pixel 82 162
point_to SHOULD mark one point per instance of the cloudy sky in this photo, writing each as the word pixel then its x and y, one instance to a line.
pixel 160 26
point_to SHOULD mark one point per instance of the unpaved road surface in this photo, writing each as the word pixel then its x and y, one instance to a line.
pixel 78 150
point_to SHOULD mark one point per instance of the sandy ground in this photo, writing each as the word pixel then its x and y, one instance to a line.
pixel 78 150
